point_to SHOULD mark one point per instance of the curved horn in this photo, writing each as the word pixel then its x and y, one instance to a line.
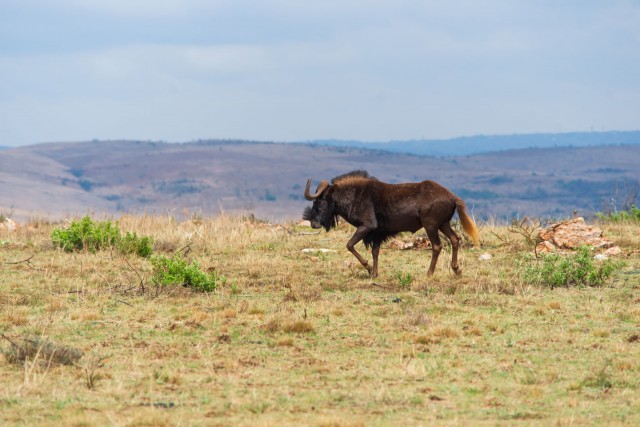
pixel 323 186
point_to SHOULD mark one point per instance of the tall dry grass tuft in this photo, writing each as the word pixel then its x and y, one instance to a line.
pixel 36 349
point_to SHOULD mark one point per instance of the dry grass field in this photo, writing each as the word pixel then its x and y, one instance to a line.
pixel 299 338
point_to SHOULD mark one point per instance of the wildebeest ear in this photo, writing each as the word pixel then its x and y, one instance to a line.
pixel 323 186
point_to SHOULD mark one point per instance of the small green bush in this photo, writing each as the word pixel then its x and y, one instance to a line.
pixel 578 269
pixel 175 271
pixel 404 279
pixel 632 214
pixel 88 235
pixel 130 243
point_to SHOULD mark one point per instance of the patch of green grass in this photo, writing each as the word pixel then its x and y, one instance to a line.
pixel 632 214
pixel 131 243
pixel 578 269
pixel 404 279
pixel 602 380
pixel 175 271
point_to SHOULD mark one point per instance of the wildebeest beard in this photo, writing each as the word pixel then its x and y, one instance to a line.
pixel 326 219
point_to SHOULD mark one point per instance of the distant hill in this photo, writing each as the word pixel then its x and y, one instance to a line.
pixel 490 143
pixel 268 179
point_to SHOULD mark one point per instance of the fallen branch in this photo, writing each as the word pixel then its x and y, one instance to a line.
pixel 380 286
pixel 307 233
pixel 20 262
pixel 138 274
pixel 186 249
pixel 26 261
pixel 124 302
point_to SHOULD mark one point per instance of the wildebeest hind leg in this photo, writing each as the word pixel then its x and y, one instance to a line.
pixel 455 244
pixel 360 233
pixel 436 247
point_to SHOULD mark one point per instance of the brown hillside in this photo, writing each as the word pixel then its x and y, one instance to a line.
pixel 267 179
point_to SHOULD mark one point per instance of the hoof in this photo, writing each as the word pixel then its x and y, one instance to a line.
pixel 458 271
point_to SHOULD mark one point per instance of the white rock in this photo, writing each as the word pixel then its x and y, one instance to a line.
pixel 9 224
pixel 485 257
pixel 315 251
pixel 613 251
pixel 601 257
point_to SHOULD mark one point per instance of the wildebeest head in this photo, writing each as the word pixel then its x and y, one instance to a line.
pixel 322 213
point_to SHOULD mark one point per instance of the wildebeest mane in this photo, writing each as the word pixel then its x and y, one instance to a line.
pixel 327 221
pixel 350 175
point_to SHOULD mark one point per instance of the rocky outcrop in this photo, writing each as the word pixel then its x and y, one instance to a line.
pixel 570 235
pixel 417 242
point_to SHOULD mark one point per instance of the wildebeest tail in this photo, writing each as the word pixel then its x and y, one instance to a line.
pixel 468 225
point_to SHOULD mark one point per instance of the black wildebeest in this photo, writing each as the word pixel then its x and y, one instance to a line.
pixel 380 211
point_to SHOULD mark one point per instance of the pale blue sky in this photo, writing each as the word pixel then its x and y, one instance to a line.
pixel 293 70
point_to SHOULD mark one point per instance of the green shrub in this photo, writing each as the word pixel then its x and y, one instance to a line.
pixel 404 279
pixel 175 271
pixel 578 269
pixel 88 235
pixel 631 214
pixel 130 243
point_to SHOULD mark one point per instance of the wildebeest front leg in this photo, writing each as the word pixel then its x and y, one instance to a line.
pixel 360 233
pixel 375 251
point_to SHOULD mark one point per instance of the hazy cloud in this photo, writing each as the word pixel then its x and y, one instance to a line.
pixel 291 70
